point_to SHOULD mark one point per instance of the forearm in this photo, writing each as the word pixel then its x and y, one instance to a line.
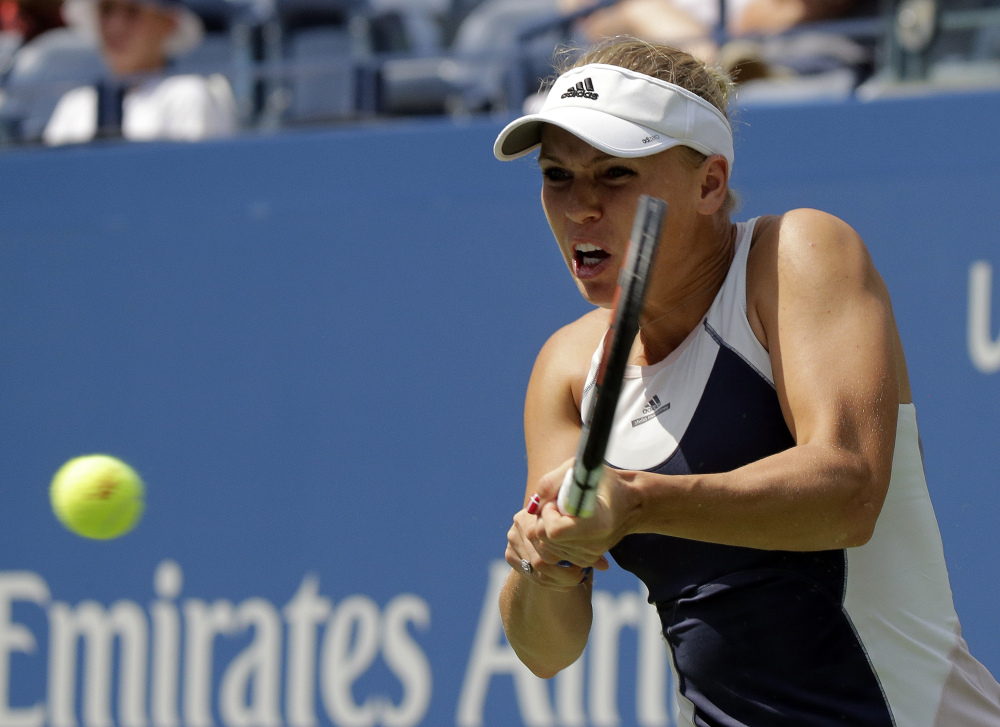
pixel 654 20
pixel 776 16
pixel 809 497
pixel 547 628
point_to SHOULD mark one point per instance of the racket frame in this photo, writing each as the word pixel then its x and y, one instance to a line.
pixel 578 493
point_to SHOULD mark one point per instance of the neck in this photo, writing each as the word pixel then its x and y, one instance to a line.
pixel 138 69
pixel 670 317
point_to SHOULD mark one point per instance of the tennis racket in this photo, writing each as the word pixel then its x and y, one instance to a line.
pixel 578 491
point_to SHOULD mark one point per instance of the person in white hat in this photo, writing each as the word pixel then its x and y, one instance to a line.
pixel 138 39
pixel 765 479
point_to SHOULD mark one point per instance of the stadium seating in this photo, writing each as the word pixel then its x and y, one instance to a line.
pixel 40 73
pixel 487 67
pixel 308 62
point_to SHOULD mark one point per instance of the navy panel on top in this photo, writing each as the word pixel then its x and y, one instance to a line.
pixel 759 637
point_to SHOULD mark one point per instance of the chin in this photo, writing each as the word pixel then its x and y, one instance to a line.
pixel 602 296
pixel 125 65
pixel 118 66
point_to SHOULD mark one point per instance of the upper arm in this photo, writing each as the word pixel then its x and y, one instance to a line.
pixel 552 421
pixel 831 334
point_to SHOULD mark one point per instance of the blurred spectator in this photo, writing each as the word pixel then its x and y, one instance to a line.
pixel 138 39
pixel 691 24
pixel 29 18
pixel 23 20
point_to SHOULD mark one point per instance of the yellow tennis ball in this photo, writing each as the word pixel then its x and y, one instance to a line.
pixel 97 496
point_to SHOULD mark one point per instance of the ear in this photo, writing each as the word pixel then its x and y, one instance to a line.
pixel 714 184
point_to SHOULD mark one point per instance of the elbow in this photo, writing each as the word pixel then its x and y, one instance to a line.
pixel 544 666
pixel 861 515
pixel 863 527
pixel 858 537
pixel 543 672
pixel 847 533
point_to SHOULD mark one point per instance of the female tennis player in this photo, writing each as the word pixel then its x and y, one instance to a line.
pixel 765 477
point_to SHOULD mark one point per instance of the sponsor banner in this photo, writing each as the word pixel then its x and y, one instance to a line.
pixel 314 349
pixel 174 659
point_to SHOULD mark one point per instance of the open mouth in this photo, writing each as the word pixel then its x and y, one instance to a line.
pixel 589 259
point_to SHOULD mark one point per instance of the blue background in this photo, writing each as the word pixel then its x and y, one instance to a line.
pixel 314 349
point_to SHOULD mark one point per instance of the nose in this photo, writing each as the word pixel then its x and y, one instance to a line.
pixel 583 204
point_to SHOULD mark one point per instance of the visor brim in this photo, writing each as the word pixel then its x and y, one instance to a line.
pixel 606 132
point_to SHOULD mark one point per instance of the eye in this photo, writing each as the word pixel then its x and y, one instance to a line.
pixel 556 174
pixel 619 172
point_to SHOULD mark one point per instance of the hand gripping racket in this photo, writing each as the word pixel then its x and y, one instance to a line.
pixel 579 488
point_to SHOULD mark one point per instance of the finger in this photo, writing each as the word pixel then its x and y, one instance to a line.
pixel 520 556
pixel 556 556
pixel 557 537
pixel 559 555
pixel 519 545
pixel 543 559
pixel 549 551
pixel 559 528
pixel 545 575
pixel 562 558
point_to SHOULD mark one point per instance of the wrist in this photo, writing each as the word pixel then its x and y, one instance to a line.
pixel 546 589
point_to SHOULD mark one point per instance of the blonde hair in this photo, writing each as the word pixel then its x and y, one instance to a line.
pixel 667 64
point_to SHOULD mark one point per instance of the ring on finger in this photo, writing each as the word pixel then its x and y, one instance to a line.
pixel 526 566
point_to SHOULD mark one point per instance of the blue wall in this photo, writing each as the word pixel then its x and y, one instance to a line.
pixel 314 348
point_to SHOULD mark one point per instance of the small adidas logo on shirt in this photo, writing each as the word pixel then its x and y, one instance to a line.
pixel 583 89
pixel 650 411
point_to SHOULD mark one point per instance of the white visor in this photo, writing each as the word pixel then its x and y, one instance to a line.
pixel 622 113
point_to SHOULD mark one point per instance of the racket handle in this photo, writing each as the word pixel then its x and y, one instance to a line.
pixel 575 497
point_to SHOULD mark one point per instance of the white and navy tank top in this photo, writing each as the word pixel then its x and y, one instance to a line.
pixel 865 636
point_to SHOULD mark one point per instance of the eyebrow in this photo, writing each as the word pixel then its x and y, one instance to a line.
pixel 598 157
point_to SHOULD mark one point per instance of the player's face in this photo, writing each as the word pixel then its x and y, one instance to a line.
pixel 590 200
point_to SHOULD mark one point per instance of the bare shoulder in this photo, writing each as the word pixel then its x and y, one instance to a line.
pixel 583 333
pixel 565 357
pixel 806 254
pixel 568 350
pixel 809 243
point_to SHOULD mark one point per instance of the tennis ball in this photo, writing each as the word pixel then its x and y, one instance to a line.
pixel 97 496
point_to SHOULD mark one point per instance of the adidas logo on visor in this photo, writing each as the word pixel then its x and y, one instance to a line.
pixel 583 89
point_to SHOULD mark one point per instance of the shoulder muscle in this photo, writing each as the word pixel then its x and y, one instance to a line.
pixel 809 258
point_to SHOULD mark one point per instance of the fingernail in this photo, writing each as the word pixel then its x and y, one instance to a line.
pixel 564 564
pixel 533 504
pixel 586 575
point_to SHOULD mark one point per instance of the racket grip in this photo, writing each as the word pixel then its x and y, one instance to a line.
pixel 575 500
